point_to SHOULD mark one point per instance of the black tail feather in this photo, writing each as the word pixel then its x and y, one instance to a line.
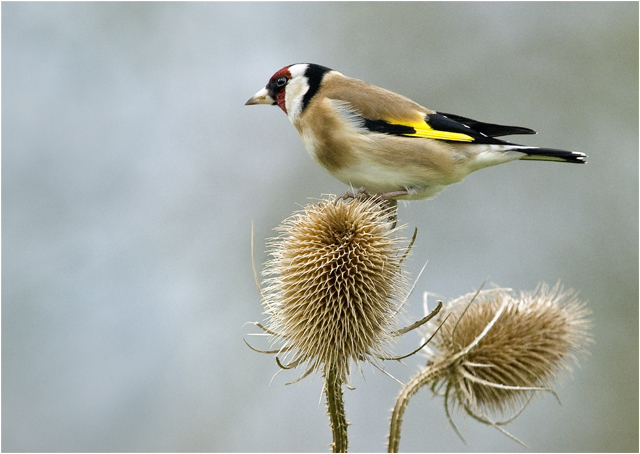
pixel 553 154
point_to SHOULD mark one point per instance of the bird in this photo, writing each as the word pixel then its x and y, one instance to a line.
pixel 385 143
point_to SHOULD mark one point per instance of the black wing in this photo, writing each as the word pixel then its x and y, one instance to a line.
pixel 487 129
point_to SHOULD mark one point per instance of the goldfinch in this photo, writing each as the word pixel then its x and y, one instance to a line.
pixel 372 138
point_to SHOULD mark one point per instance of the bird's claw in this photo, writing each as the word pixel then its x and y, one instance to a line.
pixel 361 194
pixel 388 197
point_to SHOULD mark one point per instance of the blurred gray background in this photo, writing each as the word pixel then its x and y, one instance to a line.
pixel 132 173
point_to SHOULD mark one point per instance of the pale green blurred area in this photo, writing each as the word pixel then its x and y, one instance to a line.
pixel 132 173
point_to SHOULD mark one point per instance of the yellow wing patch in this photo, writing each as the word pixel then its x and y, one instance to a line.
pixel 423 129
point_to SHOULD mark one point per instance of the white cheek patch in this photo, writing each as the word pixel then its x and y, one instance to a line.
pixel 295 91
pixel 296 88
pixel 298 70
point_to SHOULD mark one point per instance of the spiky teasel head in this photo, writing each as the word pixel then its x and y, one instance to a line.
pixel 335 278
pixel 499 349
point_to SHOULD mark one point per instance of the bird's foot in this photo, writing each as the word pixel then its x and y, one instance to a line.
pixel 388 197
pixel 392 195
pixel 361 194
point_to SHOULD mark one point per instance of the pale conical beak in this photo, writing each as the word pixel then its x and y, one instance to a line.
pixel 262 97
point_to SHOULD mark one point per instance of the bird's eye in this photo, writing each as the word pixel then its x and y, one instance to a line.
pixel 281 81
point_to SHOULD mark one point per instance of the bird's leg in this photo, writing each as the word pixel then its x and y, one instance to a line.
pixel 393 194
pixel 393 205
pixel 361 194
pixel 390 198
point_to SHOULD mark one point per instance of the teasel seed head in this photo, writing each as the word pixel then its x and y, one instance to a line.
pixel 334 283
pixel 500 349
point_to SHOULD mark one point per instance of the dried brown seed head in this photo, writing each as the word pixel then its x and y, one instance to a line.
pixel 535 337
pixel 334 281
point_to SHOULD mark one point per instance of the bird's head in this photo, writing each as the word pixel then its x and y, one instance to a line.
pixel 291 88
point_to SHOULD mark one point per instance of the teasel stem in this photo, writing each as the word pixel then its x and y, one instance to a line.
pixel 335 408
pixel 424 377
